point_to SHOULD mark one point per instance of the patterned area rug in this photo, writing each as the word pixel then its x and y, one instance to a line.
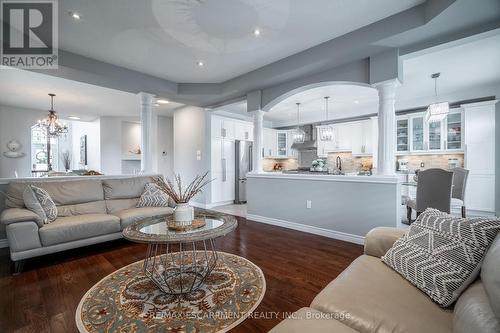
pixel 127 301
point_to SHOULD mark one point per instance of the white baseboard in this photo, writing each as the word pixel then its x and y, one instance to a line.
pixel 4 243
pixel 309 229
pixel 210 205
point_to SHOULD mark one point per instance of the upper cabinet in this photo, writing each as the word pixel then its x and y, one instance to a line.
pixel 231 129
pixel 357 137
pixel 415 135
pixel 278 144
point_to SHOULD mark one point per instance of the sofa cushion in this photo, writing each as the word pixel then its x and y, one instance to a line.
pixel 129 216
pixel 380 239
pixel 62 192
pixel 473 312
pixel 442 254
pixel 116 205
pixel 125 188
pixel 94 207
pixel 490 274
pixel 379 299
pixel 71 228
pixel 39 201
pixel 312 321
pixel 153 196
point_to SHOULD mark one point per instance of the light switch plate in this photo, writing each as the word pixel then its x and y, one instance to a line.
pixel 308 204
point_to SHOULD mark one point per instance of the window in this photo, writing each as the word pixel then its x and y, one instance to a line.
pixel 39 161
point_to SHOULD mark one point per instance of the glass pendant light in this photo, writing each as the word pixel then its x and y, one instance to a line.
pixel 437 111
pixel 299 135
pixel 326 132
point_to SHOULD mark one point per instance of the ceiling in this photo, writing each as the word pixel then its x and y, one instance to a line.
pixel 470 67
pixel 167 39
pixel 25 89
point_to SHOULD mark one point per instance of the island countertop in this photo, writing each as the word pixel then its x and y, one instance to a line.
pixel 327 177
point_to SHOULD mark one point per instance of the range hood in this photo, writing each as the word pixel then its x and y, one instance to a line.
pixel 310 139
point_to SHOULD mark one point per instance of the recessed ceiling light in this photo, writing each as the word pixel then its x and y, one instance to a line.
pixel 74 15
pixel 356 102
pixel 74 118
pixel 200 64
pixel 163 101
pixel 256 32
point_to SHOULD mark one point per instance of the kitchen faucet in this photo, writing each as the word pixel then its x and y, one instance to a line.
pixel 338 163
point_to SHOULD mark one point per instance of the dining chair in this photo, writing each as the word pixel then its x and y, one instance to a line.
pixel 433 191
pixel 460 176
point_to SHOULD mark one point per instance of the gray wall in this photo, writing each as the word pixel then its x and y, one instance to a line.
pixel 191 134
pixel 350 207
pixel 3 189
pixel 15 123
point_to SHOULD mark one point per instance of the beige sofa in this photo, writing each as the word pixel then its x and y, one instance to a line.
pixel 370 297
pixel 90 210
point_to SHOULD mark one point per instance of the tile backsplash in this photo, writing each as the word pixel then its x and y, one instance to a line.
pixel 431 161
pixel 286 164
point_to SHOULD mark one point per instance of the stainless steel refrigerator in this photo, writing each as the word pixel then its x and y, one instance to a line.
pixel 243 165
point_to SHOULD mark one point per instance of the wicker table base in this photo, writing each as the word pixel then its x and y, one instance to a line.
pixel 183 271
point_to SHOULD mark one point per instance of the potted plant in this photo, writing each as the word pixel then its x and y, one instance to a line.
pixel 318 164
pixel 183 212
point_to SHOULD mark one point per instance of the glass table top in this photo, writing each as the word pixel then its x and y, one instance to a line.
pixel 161 227
pixel 156 229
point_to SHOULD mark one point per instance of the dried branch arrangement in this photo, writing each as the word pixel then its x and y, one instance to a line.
pixel 175 191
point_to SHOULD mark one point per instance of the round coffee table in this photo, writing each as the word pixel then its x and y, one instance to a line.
pixel 179 261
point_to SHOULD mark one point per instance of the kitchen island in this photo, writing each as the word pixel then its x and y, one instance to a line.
pixel 341 207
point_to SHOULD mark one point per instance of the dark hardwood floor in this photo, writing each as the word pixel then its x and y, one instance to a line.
pixel 44 297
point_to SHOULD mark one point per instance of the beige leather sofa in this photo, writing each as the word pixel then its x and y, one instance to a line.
pixel 370 297
pixel 90 210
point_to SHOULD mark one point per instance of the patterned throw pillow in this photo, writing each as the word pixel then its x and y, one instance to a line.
pixel 39 201
pixel 153 196
pixel 441 254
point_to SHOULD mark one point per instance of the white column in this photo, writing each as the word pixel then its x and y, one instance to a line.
pixel 386 153
pixel 258 139
pixel 147 132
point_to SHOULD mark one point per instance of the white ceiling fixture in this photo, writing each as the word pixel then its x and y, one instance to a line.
pixel 74 118
pixel 162 101
pixel 298 134
pixel 201 64
pixel 439 110
pixel 326 132
pixel 256 32
pixel 74 15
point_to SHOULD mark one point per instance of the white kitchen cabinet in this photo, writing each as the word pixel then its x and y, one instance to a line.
pixel 223 128
pixel 243 131
pixel 415 135
pixel 282 143
pixel 480 156
pixel 361 134
pixel 269 144
pixel 223 170
pixel 292 153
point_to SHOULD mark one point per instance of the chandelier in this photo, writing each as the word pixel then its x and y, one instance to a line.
pixel 51 123
pixel 326 132
pixel 437 111
pixel 299 135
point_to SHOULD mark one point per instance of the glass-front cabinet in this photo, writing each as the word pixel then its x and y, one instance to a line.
pixel 454 131
pixel 282 143
pixel 415 135
pixel 434 135
pixel 402 133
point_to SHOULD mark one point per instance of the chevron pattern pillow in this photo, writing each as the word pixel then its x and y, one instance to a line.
pixel 39 201
pixel 441 254
pixel 153 196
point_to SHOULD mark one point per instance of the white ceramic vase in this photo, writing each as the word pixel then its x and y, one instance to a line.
pixel 183 214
